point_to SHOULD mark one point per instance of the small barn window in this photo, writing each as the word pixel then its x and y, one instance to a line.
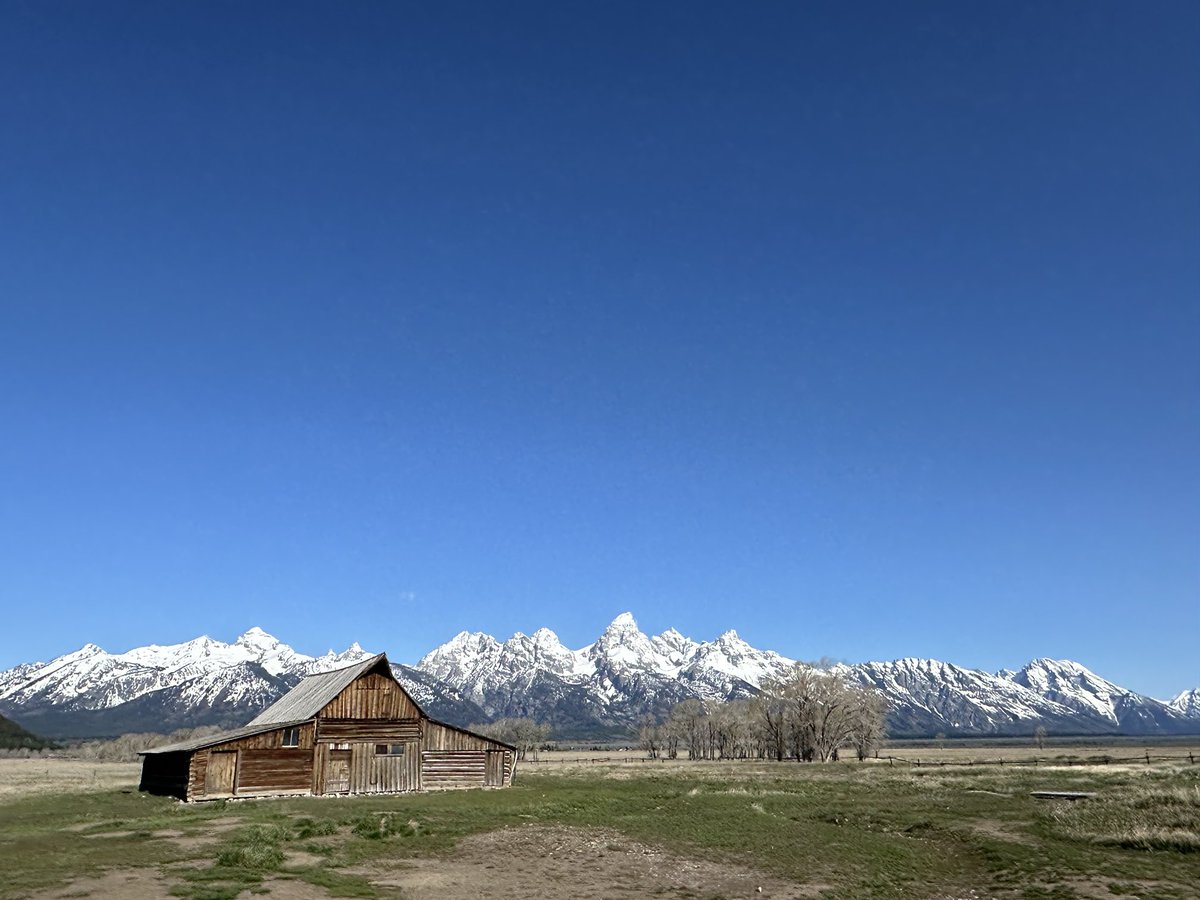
pixel 389 749
pixel 291 736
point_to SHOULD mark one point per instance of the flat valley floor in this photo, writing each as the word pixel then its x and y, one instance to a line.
pixel 604 825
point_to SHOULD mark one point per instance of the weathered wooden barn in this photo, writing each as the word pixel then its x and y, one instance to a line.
pixel 350 731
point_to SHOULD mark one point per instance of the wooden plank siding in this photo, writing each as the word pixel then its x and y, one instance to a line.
pixel 494 774
pixel 373 696
pixel 273 740
pixel 331 770
pixel 221 774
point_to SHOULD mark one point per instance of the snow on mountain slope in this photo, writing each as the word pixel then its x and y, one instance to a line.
pixel 1072 685
pixel 1082 690
pixel 1187 703
pixel 927 696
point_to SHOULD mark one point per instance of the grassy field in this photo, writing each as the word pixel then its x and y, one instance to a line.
pixel 590 829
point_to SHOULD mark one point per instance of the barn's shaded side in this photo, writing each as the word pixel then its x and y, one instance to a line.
pixel 351 731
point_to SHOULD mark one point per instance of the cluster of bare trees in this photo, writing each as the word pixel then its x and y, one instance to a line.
pixel 524 734
pixel 127 747
pixel 807 715
pixel 119 749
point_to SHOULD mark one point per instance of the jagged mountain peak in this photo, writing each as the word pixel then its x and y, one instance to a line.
pixel 732 640
pixel 624 622
pixel 256 637
pixel 623 645
pixel 1045 674
pixel 674 646
pixel 472 639
pixel 1058 666
pixel 542 642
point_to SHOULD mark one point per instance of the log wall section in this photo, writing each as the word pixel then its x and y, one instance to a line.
pixel 197 773
pixel 380 731
pixel 443 770
pixel 274 772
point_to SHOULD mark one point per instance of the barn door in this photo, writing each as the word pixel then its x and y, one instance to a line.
pixel 494 773
pixel 337 771
pixel 218 777
pixel 384 768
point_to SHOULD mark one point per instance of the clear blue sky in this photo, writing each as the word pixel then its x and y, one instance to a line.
pixel 870 330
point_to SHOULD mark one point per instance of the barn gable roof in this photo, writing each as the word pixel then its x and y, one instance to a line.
pixel 315 692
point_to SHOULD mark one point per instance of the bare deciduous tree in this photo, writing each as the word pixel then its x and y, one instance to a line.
pixel 1039 736
pixel 524 734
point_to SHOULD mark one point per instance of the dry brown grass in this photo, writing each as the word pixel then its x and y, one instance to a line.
pixel 23 777
pixel 1143 817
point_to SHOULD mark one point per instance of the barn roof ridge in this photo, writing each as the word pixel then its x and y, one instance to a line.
pixel 354 665
pixel 316 691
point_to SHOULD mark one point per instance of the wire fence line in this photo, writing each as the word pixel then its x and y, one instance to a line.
pixel 1035 761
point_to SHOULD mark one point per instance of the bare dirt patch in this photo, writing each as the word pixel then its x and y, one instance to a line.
pixel 1098 889
pixel 128 884
pixel 225 823
pixel 534 861
pixel 293 890
pixel 301 859
pixel 186 842
pixel 1002 832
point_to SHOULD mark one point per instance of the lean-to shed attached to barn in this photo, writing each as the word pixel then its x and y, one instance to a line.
pixel 350 731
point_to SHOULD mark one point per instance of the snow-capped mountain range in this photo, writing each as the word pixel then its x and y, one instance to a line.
pixel 93 693
pixel 602 689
